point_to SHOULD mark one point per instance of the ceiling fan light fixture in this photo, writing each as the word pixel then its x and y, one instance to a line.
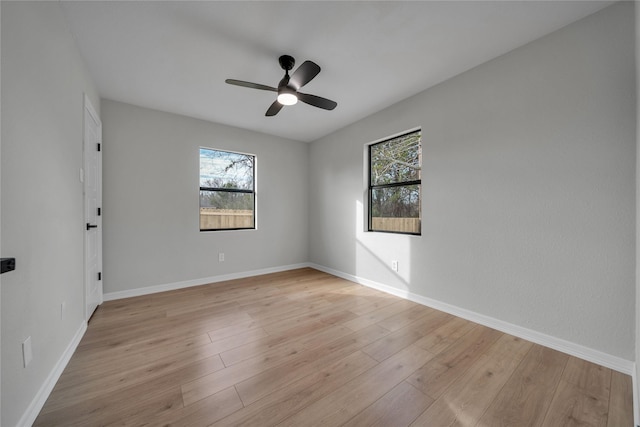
pixel 287 98
pixel 289 85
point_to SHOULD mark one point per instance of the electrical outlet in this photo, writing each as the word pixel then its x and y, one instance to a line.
pixel 63 307
pixel 27 354
pixel 394 265
pixel 221 257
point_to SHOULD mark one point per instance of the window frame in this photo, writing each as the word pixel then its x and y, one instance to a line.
pixel 371 187
pixel 230 190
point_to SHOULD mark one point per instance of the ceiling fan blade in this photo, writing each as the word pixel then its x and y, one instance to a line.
pixel 304 74
pixel 274 109
pixel 250 85
pixel 317 101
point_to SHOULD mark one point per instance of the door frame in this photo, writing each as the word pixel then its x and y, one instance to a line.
pixel 89 145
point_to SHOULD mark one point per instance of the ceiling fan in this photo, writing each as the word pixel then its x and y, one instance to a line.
pixel 289 85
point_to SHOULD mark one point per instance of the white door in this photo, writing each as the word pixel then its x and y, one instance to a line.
pixel 92 208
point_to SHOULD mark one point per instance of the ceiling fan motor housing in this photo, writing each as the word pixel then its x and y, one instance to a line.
pixel 287 62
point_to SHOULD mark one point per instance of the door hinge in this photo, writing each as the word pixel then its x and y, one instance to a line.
pixel 99 211
pixel 98 146
pixel 100 275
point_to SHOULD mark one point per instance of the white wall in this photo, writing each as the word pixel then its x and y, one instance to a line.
pixel 0 216
pixel 43 80
pixel 636 391
pixel 151 203
pixel 528 189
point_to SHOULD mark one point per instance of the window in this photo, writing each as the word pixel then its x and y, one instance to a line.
pixel 394 184
pixel 227 190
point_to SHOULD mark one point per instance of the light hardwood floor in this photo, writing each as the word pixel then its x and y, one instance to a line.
pixel 304 348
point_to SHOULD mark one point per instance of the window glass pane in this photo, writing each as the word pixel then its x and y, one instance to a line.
pixel 396 160
pixel 221 210
pixel 227 193
pixel 396 209
pixel 222 169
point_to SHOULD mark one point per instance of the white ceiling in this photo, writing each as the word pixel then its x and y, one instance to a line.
pixel 175 56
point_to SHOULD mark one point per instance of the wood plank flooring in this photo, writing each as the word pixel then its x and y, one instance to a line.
pixel 304 348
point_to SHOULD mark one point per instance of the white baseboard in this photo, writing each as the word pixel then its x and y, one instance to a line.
pixel 636 396
pixel 197 282
pixel 30 415
pixel 573 349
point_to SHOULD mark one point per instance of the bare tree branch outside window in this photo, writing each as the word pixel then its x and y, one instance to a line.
pixel 395 184
pixel 227 193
